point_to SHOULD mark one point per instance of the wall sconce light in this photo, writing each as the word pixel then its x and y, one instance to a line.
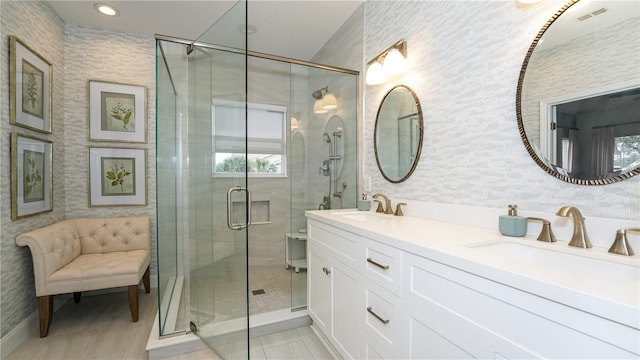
pixel 390 62
pixel 325 101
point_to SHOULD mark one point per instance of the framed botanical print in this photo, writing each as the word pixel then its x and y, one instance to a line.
pixel 30 79
pixel 117 112
pixel 117 177
pixel 31 176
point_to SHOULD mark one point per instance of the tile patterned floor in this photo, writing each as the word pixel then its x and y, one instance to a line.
pixel 100 327
pixel 295 344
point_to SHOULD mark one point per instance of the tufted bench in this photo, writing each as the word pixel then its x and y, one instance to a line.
pixel 78 255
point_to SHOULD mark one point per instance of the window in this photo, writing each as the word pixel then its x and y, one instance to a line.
pixel 626 153
pixel 265 140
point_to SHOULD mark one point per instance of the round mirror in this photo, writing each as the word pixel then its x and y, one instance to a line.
pixel 578 96
pixel 397 137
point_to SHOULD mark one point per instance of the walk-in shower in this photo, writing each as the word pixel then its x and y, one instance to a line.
pixel 237 134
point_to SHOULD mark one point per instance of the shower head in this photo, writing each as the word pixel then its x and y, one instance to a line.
pixel 319 94
pixel 327 139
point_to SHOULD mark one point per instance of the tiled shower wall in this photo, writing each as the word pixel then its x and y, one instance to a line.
pixel 348 92
pixel 464 59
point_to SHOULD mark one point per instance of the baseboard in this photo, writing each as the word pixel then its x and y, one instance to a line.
pixel 332 351
pixel 276 321
pixel 261 324
pixel 30 326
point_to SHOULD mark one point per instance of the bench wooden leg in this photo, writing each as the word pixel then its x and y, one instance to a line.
pixel 76 297
pixel 133 302
pixel 45 309
pixel 146 280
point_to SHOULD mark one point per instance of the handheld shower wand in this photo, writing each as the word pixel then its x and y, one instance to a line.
pixel 327 139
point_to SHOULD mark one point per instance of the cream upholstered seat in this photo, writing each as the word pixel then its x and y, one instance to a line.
pixel 78 255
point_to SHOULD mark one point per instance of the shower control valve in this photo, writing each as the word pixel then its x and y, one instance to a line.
pixel 325 169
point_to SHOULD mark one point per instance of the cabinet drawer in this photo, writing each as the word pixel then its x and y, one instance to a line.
pixel 373 351
pixel 383 265
pixel 345 245
pixel 382 319
pixel 436 334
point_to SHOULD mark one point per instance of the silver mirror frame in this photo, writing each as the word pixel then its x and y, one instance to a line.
pixel 521 129
pixel 420 138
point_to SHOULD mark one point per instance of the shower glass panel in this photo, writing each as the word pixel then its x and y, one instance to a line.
pixel 170 264
pixel 317 139
pixel 218 200
pixel 230 119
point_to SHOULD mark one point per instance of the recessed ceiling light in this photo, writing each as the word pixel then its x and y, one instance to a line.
pixel 106 9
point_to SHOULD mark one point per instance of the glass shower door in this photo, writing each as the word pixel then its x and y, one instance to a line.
pixel 218 200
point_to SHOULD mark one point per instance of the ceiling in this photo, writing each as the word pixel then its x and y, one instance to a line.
pixel 568 27
pixel 294 29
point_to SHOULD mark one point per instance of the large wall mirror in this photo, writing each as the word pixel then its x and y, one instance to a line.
pixel 578 98
pixel 397 138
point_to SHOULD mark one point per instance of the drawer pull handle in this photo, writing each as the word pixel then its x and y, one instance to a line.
pixel 370 310
pixel 326 270
pixel 383 267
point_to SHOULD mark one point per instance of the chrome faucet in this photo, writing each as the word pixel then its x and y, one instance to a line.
pixel 579 237
pixel 387 204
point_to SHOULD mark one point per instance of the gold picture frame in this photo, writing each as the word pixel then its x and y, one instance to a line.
pixel 117 176
pixel 31 176
pixel 117 112
pixel 30 87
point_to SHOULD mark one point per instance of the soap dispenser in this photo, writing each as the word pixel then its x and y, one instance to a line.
pixel 512 224
pixel 364 204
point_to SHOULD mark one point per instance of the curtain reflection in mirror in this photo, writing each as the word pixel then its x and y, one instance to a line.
pixel 573 150
pixel 602 152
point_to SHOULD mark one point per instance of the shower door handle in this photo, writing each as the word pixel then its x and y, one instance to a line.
pixel 230 223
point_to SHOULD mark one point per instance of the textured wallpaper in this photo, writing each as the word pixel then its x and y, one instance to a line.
pixel 104 55
pixel 97 54
pixel 36 24
pixel 464 60
pixel 78 54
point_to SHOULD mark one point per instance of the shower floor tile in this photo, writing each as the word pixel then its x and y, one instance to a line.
pixel 221 291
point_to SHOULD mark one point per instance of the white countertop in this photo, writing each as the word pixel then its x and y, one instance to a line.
pixel 616 298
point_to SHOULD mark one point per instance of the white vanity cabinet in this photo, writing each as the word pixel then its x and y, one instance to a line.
pixel 335 288
pixel 487 318
pixel 381 301
pixel 436 331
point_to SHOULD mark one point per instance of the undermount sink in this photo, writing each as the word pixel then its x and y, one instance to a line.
pixel 567 265
pixel 363 215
